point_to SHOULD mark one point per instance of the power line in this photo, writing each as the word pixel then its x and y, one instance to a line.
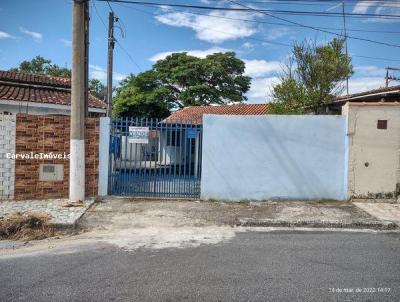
pixel 347 3
pixel 118 43
pixel 372 3
pixel 129 56
pixel 247 9
pixel 98 15
pixel 266 22
pixel 345 40
pixel 336 1
pixel 251 38
pixel 377 58
pixel 225 32
pixel 267 14
pixel 314 28
pixel 263 12
pixel 109 5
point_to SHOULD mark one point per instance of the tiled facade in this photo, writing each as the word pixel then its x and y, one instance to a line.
pixel 50 134
pixel 7 167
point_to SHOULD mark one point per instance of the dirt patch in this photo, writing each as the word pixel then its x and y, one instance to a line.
pixel 71 204
pixel 329 202
pixel 25 226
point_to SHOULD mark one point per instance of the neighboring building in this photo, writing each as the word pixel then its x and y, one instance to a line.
pixel 384 94
pixel 40 95
pixel 194 114
pixel 374 149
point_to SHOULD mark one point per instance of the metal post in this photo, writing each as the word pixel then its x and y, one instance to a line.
pixel 196 154
pixel 345 40
pixel 111 43
pixel 77 139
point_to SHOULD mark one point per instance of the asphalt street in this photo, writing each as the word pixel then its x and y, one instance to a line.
pixel 252 266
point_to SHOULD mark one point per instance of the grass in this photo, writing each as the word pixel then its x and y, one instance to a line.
pixel 25 226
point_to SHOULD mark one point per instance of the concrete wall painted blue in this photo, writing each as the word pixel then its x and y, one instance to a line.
pixel 274 157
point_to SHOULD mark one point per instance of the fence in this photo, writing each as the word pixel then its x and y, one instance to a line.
pixel 155 158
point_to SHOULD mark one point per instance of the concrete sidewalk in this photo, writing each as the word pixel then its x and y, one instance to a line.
pixel 382 210
pixel 139 213
pixel 60 215
pixel 133 224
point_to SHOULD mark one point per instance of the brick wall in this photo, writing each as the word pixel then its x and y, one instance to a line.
pixel 7 145
pixel 45 134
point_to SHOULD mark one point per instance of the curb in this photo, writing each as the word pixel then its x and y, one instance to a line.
pixel 378 225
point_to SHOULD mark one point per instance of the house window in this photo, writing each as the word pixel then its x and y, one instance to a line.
pixel 382 124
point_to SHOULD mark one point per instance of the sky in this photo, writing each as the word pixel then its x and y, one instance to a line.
pixel 146 34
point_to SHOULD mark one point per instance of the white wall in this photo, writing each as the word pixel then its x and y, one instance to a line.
pixel 274 157
pixel 7 165
pixel 15 107
pixel 374 154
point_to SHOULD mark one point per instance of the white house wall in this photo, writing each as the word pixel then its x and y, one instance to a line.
pixel 15 107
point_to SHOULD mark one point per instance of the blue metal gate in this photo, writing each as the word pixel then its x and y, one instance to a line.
pixel 155 158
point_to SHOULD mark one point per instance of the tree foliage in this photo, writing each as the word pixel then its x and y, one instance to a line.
pixel 182 80
pixel 314 75
pixel 97 88
pixel 40 65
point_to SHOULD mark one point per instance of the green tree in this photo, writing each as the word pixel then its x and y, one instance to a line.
pixel 40 65
pixel 313 76
pixel 181 80
pixel 97 88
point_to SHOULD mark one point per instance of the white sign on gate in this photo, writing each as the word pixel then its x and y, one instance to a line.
pixel 138 135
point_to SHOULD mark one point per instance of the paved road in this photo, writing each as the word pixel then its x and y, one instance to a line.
pixel 253 266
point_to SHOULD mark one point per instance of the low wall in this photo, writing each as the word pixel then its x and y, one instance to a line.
pixel 7 167
pixel 274 157
pixel 45 134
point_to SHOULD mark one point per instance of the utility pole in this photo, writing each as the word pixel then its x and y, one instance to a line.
pixel 87 19
pixel 111 43
pixel 345 41
pixel 77 132
pixel 391 78
pixel 387 77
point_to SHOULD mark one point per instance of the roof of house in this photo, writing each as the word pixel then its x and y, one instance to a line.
pixel 194 114
pixel 392 91
pixel 374 103
pixel 17 86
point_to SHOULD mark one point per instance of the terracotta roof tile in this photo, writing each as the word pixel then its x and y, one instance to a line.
pixel 17 86
pixel 28 78
pixel 194 114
